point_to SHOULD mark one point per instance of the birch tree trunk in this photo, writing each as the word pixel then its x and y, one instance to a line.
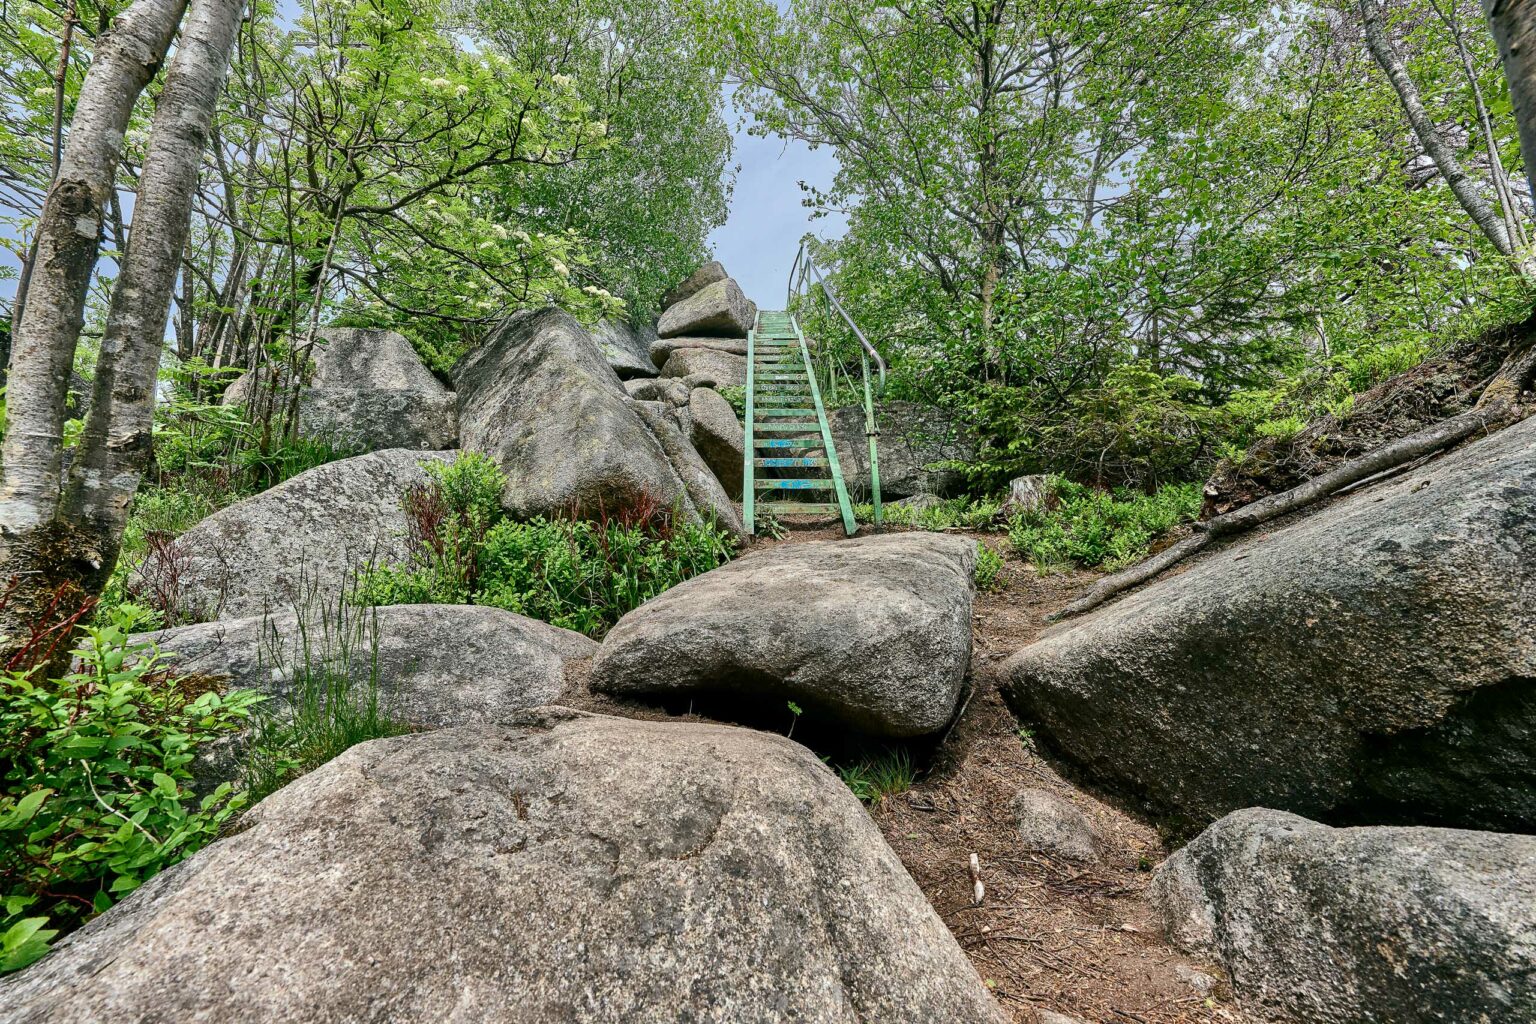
pixel 1514 28
pixel 115 447
pixel 36 552
pixel 1462 186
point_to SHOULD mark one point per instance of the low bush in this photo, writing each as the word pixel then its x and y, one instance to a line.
pixel 1080 526
pixel 578 574
pixel 96 792
pixel 989 568
pixel 937 515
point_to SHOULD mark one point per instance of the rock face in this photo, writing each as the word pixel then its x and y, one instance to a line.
pixel 662 349
pixel 626 348
pixel 1373 659
pixel 1051 824
pixel 705 493
pixel 718 436
pixel 539 398
pixel 708 274
pixel 438 664
pixel 570 868
pixel 663 389
pixel 1358 925
pixel 718 308
pixel 369 390
pixel 707 368
pixel 874 632
pixel 309 533
pixel 914 438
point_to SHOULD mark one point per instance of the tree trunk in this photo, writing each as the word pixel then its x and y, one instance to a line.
pixel 1462 187
pixel 1514 28
pixel 68 235
pixel 36 554
pixel 115 447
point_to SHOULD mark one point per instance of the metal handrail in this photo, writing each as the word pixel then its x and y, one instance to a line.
pixel 804 256
pixel 805 265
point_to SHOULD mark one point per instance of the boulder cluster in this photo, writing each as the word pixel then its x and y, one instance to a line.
pixel 512 859
pixel 1339 714
pixel 1369 666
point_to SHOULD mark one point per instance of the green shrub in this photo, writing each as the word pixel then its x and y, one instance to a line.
pixel 577 574
pixel 989 568
pixel 944 514
pixel 737 397
pixel 1086 527
pixel 882 775
pixel 97 793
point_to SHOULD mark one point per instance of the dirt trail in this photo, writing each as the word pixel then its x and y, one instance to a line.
pixel 1050 934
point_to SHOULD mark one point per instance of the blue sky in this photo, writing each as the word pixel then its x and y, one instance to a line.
pixel 758 241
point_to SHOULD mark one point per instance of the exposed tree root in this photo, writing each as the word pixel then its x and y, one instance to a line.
pixel 1498 407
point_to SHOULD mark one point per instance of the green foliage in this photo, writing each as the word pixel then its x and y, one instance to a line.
pixel 1105 274
pixel 937 515
pixel 332 701
pixel 97 787
pixel 873 779
pixel 577 574
pixel 1081 526
pixel 737 397
pixel 989 568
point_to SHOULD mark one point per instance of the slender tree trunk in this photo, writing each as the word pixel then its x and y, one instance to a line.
pixel 115 447
pixel 1514 28
pixel 60 86
pixel 1462 187
pixel 37 551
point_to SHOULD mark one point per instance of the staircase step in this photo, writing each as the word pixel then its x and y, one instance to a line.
pixel 798 507
pixel 787 427
pixel 787 442
pixel 783 462
pixel 796 484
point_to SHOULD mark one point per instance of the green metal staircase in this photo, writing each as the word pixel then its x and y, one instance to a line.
pixel 787 472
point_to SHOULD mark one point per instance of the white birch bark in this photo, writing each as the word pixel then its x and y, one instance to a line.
pixel 1462 186
pixel 1514 28
pixel 43 345
pixel 116 445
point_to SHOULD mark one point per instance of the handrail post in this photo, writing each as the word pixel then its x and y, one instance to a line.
pixel 748 469
pixel 872 431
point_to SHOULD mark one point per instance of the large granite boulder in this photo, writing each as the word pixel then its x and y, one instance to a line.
pixel 1321 925
pixel 706 275
pixel 368 390
pixel 874 632
pixel 717 309
pixel 308 535
pixel 1372 661
pixel 438 664
pixel 626 348
pixel 705 493
pixel 718 436
pixel 707 368
pixel 661 349
pixel 540 399
pixel 915 442
pixel 569 869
